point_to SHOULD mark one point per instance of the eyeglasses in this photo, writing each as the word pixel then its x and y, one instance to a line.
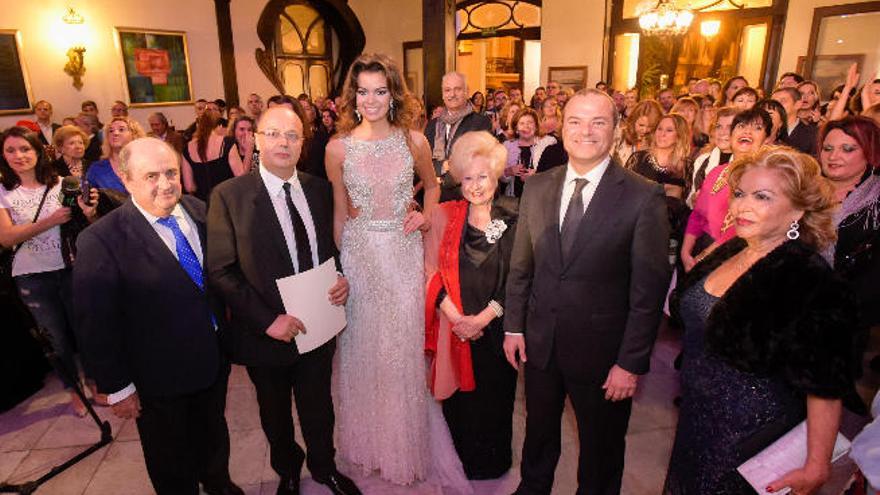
pixel 275 135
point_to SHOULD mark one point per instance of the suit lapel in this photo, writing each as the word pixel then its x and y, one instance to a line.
pixel 602 206
pixel 551 209
pixel 153 245
pixel 269 227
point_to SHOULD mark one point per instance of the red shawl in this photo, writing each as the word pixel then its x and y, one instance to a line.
pixel 454 365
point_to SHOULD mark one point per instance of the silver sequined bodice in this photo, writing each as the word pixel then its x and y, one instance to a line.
pixel 379 178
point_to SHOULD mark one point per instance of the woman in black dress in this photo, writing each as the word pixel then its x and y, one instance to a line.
pixel 850 158
pixel 207 162
pixel 467 255
pixel 770 332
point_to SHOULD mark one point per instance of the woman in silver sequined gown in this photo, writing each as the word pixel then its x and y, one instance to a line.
pixel 384 410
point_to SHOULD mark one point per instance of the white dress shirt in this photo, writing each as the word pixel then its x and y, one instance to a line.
pixel 190 231
pixel 46 130
pixel 275 186
pixel 593 177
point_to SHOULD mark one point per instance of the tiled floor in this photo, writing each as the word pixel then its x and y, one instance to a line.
pixel 43 432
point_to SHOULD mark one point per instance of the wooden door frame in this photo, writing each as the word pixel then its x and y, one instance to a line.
pixel 820 13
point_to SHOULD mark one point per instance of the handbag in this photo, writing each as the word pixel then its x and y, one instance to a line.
pixel 8 255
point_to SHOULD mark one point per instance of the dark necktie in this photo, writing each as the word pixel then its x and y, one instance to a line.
pixel 573 216
pixel 303 248
pixel 185 254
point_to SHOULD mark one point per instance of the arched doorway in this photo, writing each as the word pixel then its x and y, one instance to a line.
pixel 499 43
pixel 308 45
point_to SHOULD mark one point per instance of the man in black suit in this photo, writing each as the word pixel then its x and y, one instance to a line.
pixel 261 227
pixel 458 117
pixel 146 325
pixel 43 112
pixel 588 275
pixel 801 136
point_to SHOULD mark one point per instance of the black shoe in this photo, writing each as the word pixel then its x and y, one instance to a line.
pixel 228 488
pixel 288 486
pixel 339 484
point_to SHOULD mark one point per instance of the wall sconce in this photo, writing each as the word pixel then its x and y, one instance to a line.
pixel 710 28
pixel 75 66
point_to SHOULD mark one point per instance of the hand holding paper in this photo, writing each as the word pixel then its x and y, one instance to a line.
pixel 315 297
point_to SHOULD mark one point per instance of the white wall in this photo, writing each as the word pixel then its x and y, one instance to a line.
pixel 799 21
pixel 572 34
pixel 44 51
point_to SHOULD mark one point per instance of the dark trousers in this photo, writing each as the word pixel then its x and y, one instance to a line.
pixel 601 425
pixel 309 379
pixel 185 439
pixel 49 297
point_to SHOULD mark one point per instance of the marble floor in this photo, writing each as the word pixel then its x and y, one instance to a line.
pixel 43 432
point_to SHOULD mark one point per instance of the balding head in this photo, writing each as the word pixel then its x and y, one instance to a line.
pixel 280 140
pixel 454 86
pixel 151 173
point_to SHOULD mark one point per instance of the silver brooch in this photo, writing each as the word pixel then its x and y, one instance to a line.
pixel 494 230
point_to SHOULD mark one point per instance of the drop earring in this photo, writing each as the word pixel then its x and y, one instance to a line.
pixel 391 110
pixel 793 232
pixel 357 113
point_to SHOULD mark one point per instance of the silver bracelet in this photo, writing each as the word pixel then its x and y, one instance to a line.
pixel 494 306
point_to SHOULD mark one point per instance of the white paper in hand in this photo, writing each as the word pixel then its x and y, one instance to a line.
pixel 305 296
pixel 782 456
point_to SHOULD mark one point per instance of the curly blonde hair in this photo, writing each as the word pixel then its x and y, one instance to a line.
pixel 404 110
pixel 136 132
pixel 802 183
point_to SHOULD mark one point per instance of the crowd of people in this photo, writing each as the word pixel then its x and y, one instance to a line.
pixel 490 235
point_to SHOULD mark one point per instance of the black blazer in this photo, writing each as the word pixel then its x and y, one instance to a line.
pixel 804 138
pixel 472 122
pixel 789 315
pixel 43 138
pixel 603 306
pixel 140 318
pixel 247 254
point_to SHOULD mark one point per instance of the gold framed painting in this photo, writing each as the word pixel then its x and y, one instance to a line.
pixel 574 76
pixel 156 65
pixel 15 88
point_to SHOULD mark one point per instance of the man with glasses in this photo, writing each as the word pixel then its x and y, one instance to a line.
pixel 262 227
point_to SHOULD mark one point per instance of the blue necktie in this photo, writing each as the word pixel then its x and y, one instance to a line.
pixel 185 254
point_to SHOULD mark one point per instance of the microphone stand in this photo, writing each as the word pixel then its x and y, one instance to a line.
pixel 29 487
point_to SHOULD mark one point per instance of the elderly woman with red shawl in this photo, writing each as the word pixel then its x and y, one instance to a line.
pixel 467 255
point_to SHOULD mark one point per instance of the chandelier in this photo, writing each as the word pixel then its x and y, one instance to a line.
pixel 665 20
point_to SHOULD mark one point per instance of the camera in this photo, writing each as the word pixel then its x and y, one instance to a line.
pixel 71 189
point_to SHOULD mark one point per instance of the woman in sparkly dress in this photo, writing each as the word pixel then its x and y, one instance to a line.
pixel 383 404
pixel 769 332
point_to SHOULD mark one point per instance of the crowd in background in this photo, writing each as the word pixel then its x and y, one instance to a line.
pixel 697 142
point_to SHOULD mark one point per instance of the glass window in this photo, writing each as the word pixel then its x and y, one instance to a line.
pixel 842 41
pixel 632 8
pixel 494 15
pixel 303 50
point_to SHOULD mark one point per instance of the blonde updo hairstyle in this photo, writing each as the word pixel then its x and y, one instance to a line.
pixel 802 183
pixel 473 145
pixel 136 132
pixel 405 112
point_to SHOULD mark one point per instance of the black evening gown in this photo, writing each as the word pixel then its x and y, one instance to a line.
pixel 722 410
pixel 481 421
pixel 209 174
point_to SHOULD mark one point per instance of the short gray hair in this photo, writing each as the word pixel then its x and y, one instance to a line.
pixel 455 74
pixel 127 152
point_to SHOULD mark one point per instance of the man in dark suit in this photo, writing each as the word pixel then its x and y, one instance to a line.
pixel 261 227
pixel 588 275
pixel 458 117
pixel 43 112
pixel 146 325
pixel 801 136
pixel 159 128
